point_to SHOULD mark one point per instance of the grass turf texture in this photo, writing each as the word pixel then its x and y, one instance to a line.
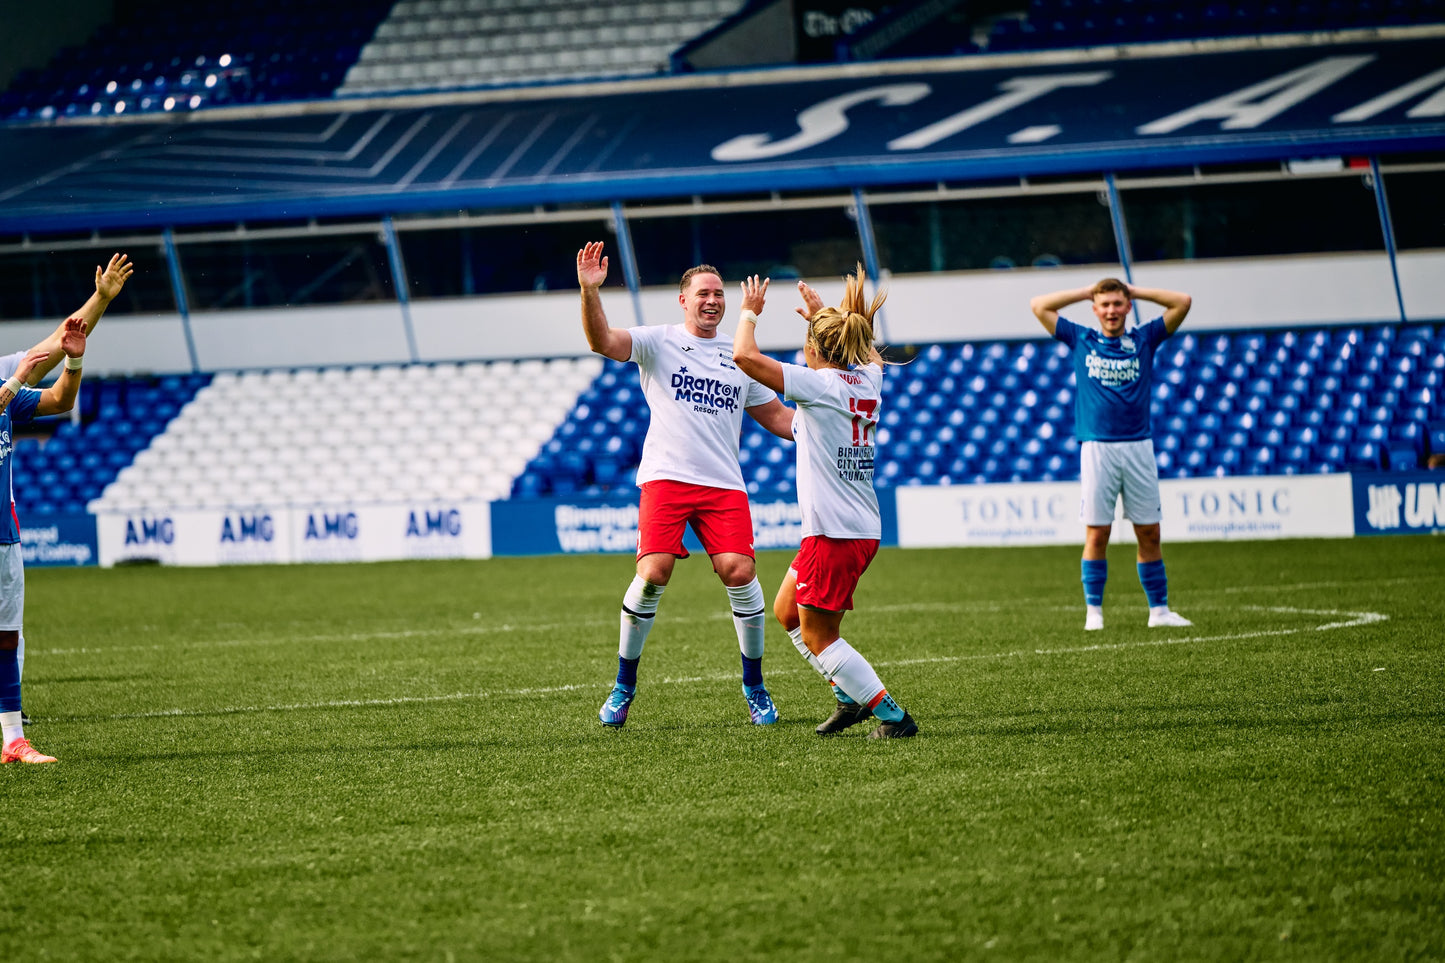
pixel 403 761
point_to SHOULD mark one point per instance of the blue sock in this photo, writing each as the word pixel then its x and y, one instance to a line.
pixel 627 672
pixel 9 681
pixel 1155 582
pixel 1095 574
pixel 752 671
pixel 888 710
pixel 842 696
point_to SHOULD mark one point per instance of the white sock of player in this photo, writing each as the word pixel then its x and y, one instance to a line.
pixel 10 727
pixel 796 635
pixel 849 671
pixel 639 607
pixel 749 617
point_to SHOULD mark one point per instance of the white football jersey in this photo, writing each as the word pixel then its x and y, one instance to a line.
pixel 836 431
pixel 697 396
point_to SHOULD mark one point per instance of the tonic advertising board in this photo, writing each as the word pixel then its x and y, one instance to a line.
pixel 1194 509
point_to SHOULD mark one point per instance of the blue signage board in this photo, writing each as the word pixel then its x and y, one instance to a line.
pixel 1399 503
pixel 948 119
pixel 553 526
pixel 59 540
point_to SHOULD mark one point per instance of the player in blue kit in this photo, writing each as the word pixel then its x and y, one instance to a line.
pixel 1113 369
pixel 19 405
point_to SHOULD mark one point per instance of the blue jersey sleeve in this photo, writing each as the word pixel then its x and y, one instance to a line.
pixel 1066 331
pixel 22 407
pixel 1154 332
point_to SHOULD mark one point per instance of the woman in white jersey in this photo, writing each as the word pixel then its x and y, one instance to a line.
pixel 838 395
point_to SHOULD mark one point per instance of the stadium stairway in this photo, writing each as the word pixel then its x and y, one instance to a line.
pixel 440 44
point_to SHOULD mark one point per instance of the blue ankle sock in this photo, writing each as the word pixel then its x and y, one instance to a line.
pixel 627 672
pixel 842 696
pixel 888 710
pixel 9 681
pixel 1155 582
pixel 1095 574
pixel 752 671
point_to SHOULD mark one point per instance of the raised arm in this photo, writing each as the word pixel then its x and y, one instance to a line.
pixel 1046 306
pixel 1176 304
pixel 108 283
pixel 59 397
pixel 602 338
pixel 756 365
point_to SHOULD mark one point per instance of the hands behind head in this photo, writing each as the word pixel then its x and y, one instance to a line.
pixel 811 300
pixel 109 282
pixel 754 294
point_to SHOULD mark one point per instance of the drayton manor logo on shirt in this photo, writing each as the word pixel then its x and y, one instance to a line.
pixel 707 395
pixel 1112 371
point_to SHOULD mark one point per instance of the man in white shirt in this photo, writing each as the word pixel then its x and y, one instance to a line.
pixel 689 473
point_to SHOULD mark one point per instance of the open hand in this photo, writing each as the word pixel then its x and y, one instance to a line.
pixel 72 340
pixel 591 265
pixel 811 300
pixel 754 294
pixel 109 282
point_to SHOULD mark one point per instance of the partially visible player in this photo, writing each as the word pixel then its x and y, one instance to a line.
pixel 108 283
pixel 19 405
pixel 1113 369
pixel 838 395
pixel 689 473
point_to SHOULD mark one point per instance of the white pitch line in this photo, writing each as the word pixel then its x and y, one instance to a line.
pixel 1351 620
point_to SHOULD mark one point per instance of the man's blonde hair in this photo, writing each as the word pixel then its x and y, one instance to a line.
pixel 1109 286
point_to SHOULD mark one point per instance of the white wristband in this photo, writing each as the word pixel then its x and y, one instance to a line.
pixel 73 364
pixel 748 316
pixel 12 386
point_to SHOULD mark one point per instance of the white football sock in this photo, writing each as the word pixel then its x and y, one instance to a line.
pixel 639 607
pixel 849 671
pixel 796 634
pixel 749 617
pixel 10 727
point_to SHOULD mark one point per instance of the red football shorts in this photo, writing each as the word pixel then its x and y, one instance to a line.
pixel 719 516
pixel 828 570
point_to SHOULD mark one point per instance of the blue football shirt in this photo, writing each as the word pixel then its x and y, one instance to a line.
pixel 19 412
pixel 1112 377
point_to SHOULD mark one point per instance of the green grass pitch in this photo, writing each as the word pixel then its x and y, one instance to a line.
pixel 403 762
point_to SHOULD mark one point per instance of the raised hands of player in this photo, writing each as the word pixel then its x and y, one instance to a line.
pixel 812 302
pixel 28 363
pixel 109 282
pixel 591 265
pixel 72 340
pixel 754 294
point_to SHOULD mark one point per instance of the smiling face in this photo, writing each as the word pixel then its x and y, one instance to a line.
pixel 703 305
pixel 1112 310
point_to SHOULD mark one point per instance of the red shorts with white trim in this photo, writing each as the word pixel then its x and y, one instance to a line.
pixel 719 516
pixel 828 570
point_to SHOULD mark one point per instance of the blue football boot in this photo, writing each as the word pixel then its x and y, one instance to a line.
pixel 760 705
pixel 614 710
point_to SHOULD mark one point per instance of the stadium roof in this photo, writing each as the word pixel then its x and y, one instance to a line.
pixel 866 125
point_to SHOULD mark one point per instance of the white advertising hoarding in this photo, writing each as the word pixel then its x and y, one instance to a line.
pixel 1195 509
pixel 318 533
